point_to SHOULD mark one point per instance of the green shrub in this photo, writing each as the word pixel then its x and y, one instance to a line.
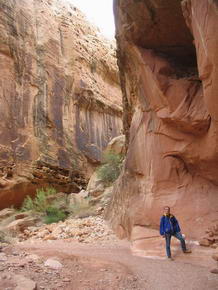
pixel 28 204
pixel 111 167
pixel 40 203
pixel 54 215
pixel 47 204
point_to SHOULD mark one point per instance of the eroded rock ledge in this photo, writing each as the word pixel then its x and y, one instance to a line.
pixel 167 55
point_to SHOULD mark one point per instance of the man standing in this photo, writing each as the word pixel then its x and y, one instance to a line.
pixel 169 227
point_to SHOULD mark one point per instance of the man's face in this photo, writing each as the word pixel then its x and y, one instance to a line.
pixel 166 210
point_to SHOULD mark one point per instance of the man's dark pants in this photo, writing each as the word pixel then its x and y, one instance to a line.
pixel 168 240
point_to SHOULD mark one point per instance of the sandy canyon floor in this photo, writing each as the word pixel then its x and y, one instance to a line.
pixel 69 265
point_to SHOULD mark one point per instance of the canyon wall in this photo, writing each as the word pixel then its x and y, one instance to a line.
pixel 60 98
pixel 168 61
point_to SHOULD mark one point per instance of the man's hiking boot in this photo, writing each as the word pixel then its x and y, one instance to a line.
pixel 187 251
pixel 170 259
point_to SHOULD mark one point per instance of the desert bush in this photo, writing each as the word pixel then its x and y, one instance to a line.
pixel 40 203
pixel 54 215
pixel 28 204
pixel 50 206
pixel 110 170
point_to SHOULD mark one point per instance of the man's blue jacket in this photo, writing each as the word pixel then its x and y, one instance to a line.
pixel 169 225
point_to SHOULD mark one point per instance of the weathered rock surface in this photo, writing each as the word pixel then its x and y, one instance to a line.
pixel 95 185
pixel 167 55
pixel 60 99
pixel 116 145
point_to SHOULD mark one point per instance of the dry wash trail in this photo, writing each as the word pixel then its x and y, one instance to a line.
pixel 110 266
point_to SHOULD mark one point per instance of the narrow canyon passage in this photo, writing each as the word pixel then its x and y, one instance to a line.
pixel 97 135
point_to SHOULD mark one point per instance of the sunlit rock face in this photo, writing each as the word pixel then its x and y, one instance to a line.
pixel 167 54
pixel 60 99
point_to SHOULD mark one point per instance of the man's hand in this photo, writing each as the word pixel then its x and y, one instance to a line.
pixel 163 236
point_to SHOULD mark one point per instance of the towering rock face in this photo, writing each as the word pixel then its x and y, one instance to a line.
pixel 60 99
pixel 167 53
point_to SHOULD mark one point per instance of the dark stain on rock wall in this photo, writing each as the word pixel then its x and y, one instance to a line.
pixel 95 133
pixel 56 101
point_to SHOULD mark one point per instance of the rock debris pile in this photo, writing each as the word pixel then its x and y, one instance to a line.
pixel 211 237
pixel 86 230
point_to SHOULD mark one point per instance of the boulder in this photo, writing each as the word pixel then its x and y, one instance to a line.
pixel 21 224
pixel 53 264
pixel 205 243
pixel 95 183
pixel 116 145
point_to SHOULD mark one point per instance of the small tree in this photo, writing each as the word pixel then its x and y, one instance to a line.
pixel 111 167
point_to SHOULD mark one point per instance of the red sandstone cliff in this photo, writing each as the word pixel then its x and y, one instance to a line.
pixel 167 53
pixel 60 99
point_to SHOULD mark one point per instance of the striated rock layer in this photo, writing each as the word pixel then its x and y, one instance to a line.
pixel 60 98
pixel 167 54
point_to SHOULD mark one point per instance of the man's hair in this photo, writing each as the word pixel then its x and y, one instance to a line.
pixel 166 207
